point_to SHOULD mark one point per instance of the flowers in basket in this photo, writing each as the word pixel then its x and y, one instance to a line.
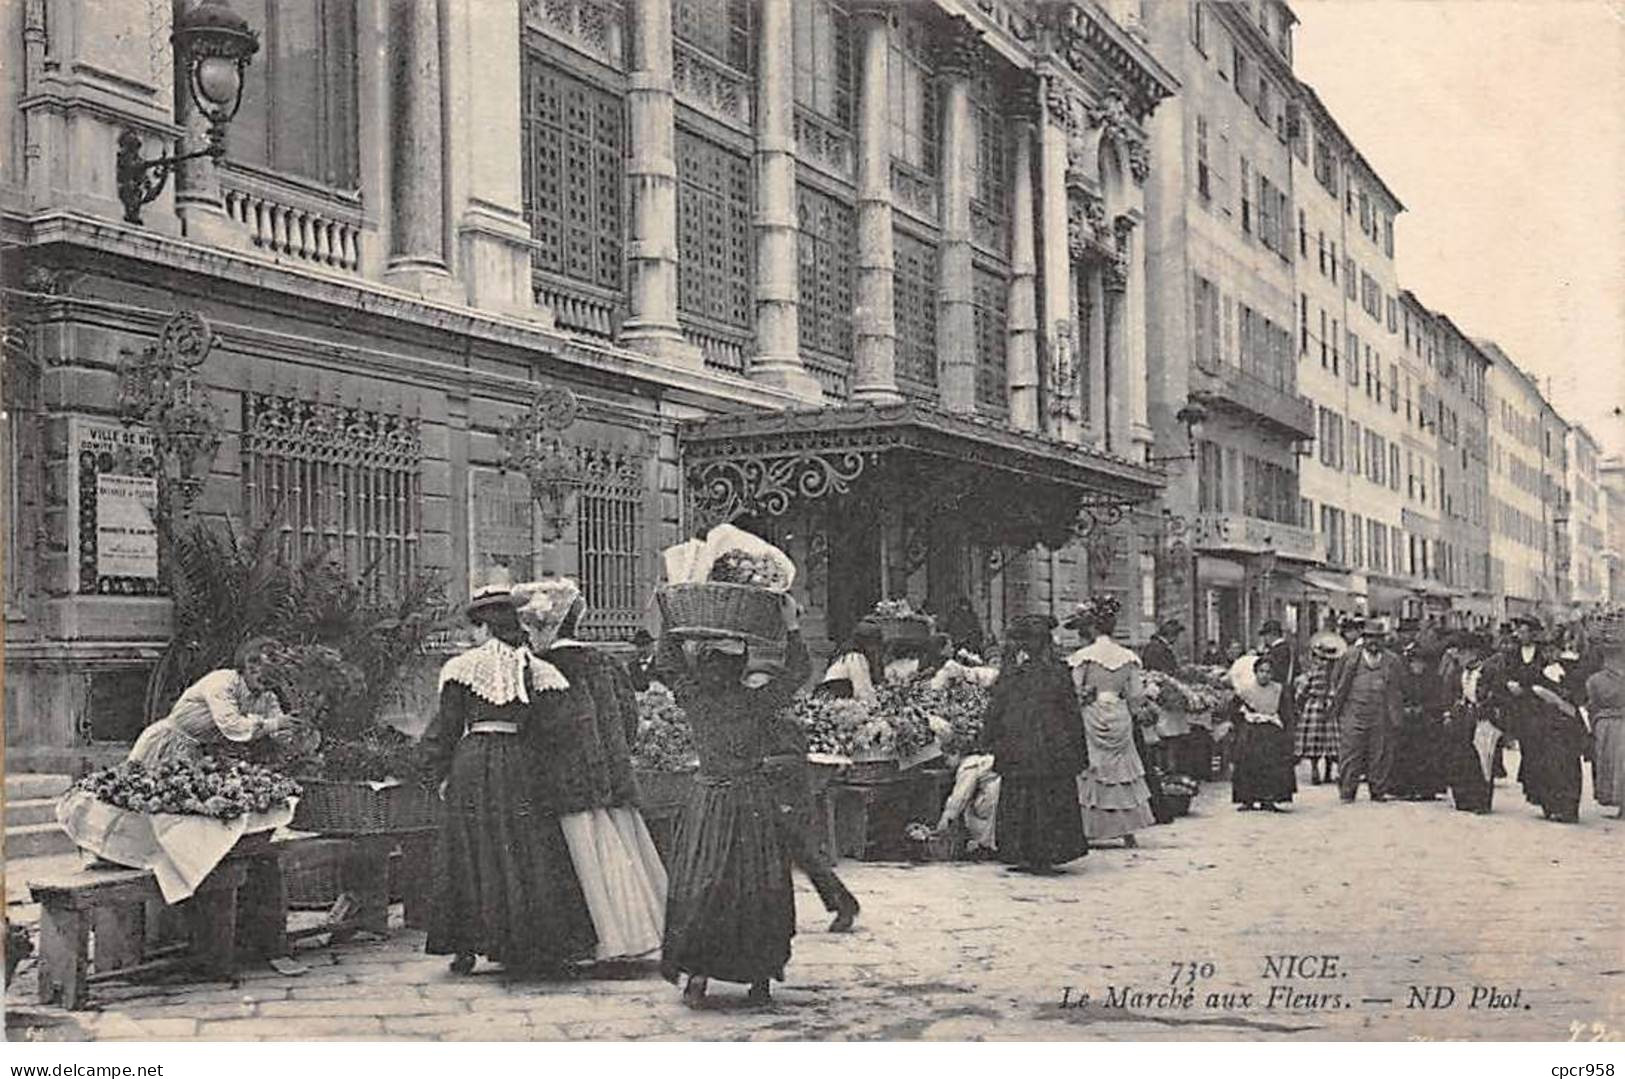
pixel 223 789
pixel 901 708
pixel 1179 786
pixel 897 609
pixel 832 725
pixel 960 706
pixel 755 570
pixel 665 741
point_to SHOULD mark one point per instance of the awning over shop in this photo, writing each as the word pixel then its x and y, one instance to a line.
pixel 997 485
pixel 1327 583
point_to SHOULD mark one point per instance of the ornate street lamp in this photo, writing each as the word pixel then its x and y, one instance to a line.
pixel 160 388
pixel 1192 415
pixel 533 444
pixel 213 45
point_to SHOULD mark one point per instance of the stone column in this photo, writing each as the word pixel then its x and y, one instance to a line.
pixel 956 310
pixel 652 326
pixel 1056 330
pixel 1021 330
pixel 485 182
pixel 874 376
pixel 1118 375
pixel 778 358
pixel 417 240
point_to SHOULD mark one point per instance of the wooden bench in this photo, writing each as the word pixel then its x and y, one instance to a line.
pixel 101 924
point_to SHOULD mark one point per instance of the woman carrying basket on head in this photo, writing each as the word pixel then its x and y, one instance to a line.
pixel 731 912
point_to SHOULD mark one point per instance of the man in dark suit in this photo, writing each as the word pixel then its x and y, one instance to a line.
pixel 1272 642
pixel 1158 654
pixel 1367 705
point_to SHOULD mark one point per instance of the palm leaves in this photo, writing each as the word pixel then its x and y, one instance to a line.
pixel 229 588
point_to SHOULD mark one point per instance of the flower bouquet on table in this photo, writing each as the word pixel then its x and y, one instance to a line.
pixel 960 706
pixel 831 726
pixel 178 819
pixel 914 739
pixel 665 741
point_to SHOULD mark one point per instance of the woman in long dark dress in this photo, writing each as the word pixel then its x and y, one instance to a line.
pixel 1470 735
pixel 730 911
pixel 1418 756
pixel 504 886
pixel 1263 775
pixel 1035 731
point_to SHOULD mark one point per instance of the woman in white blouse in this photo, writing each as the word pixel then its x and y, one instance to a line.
pixel 227 705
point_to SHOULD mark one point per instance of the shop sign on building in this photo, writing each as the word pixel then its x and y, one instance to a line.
pixel 113 508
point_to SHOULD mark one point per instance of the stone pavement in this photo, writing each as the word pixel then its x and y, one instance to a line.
pixel 1525 911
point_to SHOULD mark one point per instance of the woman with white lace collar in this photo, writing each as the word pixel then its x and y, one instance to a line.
pixel 504 886
pixel 1112 790
pixel 591 779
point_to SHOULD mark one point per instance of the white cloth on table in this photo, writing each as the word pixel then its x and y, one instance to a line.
pixel 179 849
pixel 622 879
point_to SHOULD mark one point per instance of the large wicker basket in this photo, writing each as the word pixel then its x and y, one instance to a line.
pixel 336 807
pixel 717 609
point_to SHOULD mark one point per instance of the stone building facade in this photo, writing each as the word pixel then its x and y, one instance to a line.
pixel 1223 311
pixel 850 273
pixel 1523 554
pixel 1585 531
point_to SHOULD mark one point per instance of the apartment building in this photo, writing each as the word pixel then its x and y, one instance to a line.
pixel 1585 534
pixel 1223 309
pixel 1521 550
pixel 1461 375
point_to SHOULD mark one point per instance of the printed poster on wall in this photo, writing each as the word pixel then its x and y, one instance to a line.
pixel 113 503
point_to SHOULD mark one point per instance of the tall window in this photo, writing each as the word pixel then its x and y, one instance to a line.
pixel 1303 324
pixel 344 480
pixel 1246 197
pixel 575 161
pixel 1356 448
pixel 1210 478
pixel 1205 321
pixel 1393 466
pixel 299 94
pixel 826 247
pixel 823 60
pixel 715 284
pixel 989 170
pixel 610 513
pixel 914 286
pixel 1356 540
pixel 912 96
pixel 1204 180
pixel 718 27
pixel 990 292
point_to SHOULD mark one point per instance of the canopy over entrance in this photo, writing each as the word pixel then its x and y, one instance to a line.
pixel 1001 487
pixel 888 501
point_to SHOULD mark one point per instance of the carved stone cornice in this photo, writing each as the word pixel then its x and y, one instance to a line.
pixel 959 49
pixel 1088 42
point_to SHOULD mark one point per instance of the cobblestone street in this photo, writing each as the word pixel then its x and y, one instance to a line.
pixel 1520 918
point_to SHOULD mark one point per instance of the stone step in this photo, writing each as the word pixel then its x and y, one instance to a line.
pixel 30 811
pixel 27 785
pixel 34 840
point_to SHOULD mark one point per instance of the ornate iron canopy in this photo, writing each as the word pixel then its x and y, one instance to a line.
pixel 1004 486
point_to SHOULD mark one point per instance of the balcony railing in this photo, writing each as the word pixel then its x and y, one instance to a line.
pixel 296 221
pixel 1224 385
pixel 724 347
pixel 581 308
pixel 1254 535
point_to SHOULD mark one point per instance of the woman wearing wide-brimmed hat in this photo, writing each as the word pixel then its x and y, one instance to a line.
pixel 587 768
pixel 1032 727
pixel 504 886
pixel 1112 791
pixel 1315 739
